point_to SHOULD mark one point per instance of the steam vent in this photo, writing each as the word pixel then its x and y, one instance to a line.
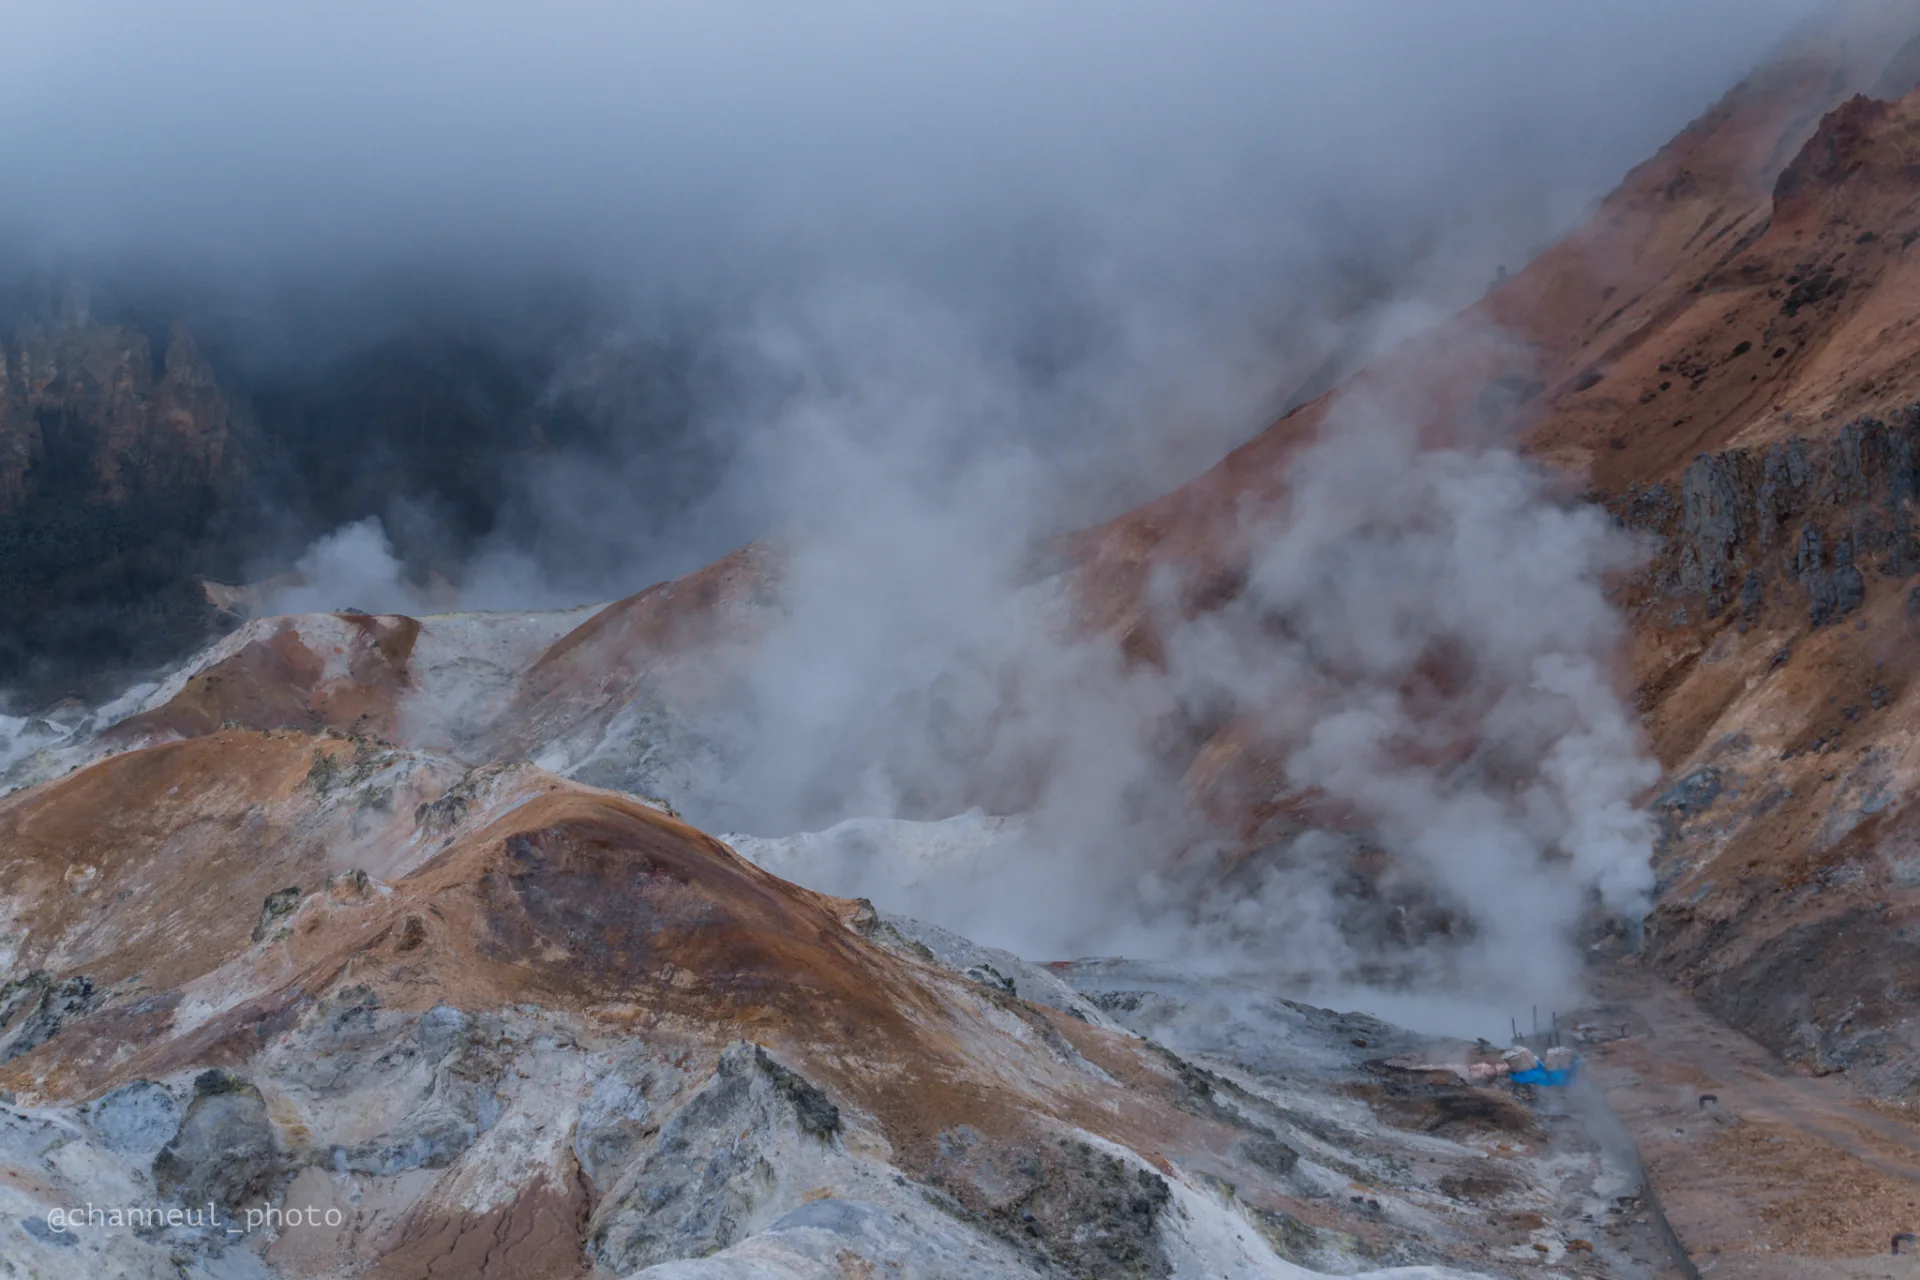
pixel 958 642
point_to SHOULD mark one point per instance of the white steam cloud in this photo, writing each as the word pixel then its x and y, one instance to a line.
pixel 1427 629
pixel 1423 642
pixel 352 568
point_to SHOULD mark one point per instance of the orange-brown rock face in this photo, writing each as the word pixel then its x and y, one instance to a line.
pixel 663 634
pixel 343 671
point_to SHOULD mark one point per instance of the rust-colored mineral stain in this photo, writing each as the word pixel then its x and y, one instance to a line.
pixel 537 1235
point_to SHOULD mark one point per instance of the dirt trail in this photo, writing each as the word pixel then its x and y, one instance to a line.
pixel 1773 1176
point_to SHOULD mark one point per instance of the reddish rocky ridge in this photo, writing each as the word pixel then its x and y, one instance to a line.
pixel 1725 357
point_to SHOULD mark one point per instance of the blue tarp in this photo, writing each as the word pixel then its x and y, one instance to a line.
pixel 1540 1075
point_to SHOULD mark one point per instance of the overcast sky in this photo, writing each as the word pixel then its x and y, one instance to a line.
pixel 658 128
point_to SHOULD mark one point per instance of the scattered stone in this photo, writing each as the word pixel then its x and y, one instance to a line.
pixel 35 1008
pixel 865 919
pixel 137 1119
pixel 439 1029
pixel 988 976
pixel 1815 287
pixel 1693 794
pixel 435 816
pixel 39 1230
pixel 350 1009
pixel 1270 1154
pixel 226 1152
pixel 1119 1001
pixel 615 1123
pixel 351 885
pixel 710 1166
pixel 433 1143
pixel 413 934
pixel 279 904
pixel 324 770
pixel 812 1109
pixel 1078 1211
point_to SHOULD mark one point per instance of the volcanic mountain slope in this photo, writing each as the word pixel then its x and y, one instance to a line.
pixel 489 1022
pixel 302 930
pixel 1725 358
pixel 1754 413
pixel 440 684
pixel 1611 354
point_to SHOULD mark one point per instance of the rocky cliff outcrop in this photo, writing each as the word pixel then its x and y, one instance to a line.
pixel 1797 524
pixel 118 451
pixel 99 414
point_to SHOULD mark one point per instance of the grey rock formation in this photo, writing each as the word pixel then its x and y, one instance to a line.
pixel 227 1152
pixel 1825 516
pixel 33 1009
pixel 137 1119
pixel 714 1164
